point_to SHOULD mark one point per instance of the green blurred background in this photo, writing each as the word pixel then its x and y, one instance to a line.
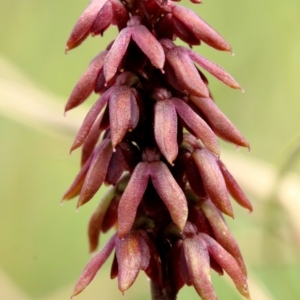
pixel 44 245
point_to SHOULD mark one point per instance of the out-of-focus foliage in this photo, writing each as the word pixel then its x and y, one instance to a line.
pixel 44 246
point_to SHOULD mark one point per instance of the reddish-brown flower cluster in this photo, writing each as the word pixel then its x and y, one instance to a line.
pixel 152 135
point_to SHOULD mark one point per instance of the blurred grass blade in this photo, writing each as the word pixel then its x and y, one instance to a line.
pixel 23 101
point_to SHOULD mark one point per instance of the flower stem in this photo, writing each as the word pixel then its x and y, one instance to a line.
pixel 159 293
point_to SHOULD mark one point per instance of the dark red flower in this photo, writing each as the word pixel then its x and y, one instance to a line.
pixel 152 136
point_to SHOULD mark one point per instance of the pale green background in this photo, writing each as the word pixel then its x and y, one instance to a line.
pixel 43 246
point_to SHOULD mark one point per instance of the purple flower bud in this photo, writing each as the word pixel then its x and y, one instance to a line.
pixel 97 218
pixel 170 193
pixel 84 24
pixel 90 119
pixel 212 68
pixel 97 172
pixel 222 233
pixel 219 122
pixel 197 260
pixel 132 197
pixel 103 19
pixel 199 28
pixel 213 180
pixel 120 113
pixel 93 266
pixel 185 73
pixel 234 189
pixel 228 263
pixel 86 83
pixel 116 53
pixel 165 129
pixel 129 258
pixel 76 186
pixel 198 127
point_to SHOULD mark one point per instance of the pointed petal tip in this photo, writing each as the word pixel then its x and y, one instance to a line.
pixel 79 204
pixel 243 143
pixel 74 146
pixel 66 109
pixel 229 213
pixel 245 292
pixel 249 208
pixel 75 293
pixel 67 196
pixel 92 250
pixel 181 225
pixel 215 150
pixel 68 47
pixel 247 145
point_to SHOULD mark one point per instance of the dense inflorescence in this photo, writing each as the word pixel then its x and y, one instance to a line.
pixel 153 136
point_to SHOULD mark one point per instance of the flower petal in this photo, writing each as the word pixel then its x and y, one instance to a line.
pixel 76 186
pixel 145 252
pixel 114 270
pixel 197 260
pixel 186 72
pixel 96 220
pixel 90 119
pixel 228 263
pixel 170 193
pixel 234 189
pixel 91 140
pixel 111 215
pixel 220 124
pixel 185 34
pixel 120 14
pixel 132 197
pixel 134 112
pixel 213 69
pixel 194 179
pixel 93 266
pixel 129 260
pixel 149 45
pixel 222 233
pixel 103 19
pixel 84 24
pixel 97 172
pixel 117 166
pixel 213 180
pixel 119 113
pixel 165 129
pixel 116 53
pixel 199 28
pixel 86 83
pixel 199 127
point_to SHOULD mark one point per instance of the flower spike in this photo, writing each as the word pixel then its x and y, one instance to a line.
pixel 152 136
